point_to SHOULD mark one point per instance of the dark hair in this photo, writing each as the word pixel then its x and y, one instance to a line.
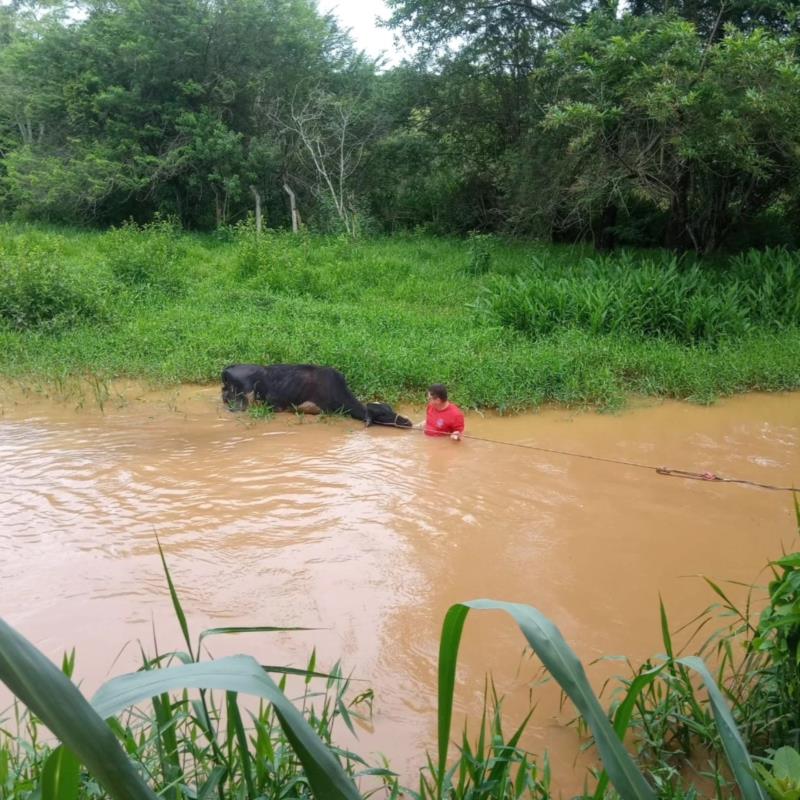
pixel 438 390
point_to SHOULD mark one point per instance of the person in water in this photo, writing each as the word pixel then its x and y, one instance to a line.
pixel 443 417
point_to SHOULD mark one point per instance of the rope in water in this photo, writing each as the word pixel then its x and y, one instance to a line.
pixel 666 471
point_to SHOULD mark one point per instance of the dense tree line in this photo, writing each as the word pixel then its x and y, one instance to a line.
pixel 667 122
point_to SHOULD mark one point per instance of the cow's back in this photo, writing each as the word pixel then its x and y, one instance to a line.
pixel 285 385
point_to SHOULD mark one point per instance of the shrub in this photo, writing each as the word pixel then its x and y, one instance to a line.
pixel 146 257
pixel 480 253
pixel 689 304
pixel 37 292
pixel 772 278
pixel 279 263
pixel 252 249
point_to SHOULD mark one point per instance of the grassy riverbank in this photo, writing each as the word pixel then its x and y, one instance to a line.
pixel 507 325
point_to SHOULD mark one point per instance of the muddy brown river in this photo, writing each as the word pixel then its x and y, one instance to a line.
pixel 370 534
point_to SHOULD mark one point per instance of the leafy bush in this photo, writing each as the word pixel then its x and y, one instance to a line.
pixel 777 639
pixel 38 292
pixel 252 249
pixel 772 277
pixel 146 257
pixel 480 253
pixel 689 304
pixel 279 263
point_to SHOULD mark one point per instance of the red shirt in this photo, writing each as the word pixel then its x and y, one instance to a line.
pixel 445 422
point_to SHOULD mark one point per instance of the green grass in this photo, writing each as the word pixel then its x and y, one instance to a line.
pixel 396 314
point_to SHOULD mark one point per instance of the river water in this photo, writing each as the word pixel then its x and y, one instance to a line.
pixel 370 534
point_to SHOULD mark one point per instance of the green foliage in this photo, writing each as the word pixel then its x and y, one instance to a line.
pixel 252 249
pixel 275 263
pixel 136 109
pixel 260 411
pixel 145 257
pixel 674 724
pixel 772 278
pixel 38 292
pixel 779 627
pixel 783 780
pixel 494 767
pixel 562 664
pixel 55 700
pixel 777 640
pixel 668 123
pixel 186 747
pixel 480 253
pixel 395 314
pixel 705 131
pixel 688 304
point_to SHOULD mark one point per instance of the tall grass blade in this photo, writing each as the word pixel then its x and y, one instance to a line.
pixel 244 675
pixel 232 631
pixel 500 769
pixel 176 603
pixel 562 663
pixel 235 720
pixel 735 750
pixel 300 672
pixel 211 786
pixel 622 718
pixel 61 776
pixel 167 741
pixel 666 636
pixel 42 687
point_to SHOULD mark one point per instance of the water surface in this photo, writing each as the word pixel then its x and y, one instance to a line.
pixel 370 534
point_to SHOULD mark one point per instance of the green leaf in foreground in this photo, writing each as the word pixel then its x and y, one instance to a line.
pixel 623 715
pixel 240 674
pixel 735 750
pixel 61 776
pixel 235 630
pixel 562 663
pixel 46 691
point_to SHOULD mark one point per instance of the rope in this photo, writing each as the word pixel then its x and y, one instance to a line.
pixel 666 471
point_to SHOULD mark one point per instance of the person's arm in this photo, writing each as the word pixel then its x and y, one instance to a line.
pixel 458 428
pixel 423 424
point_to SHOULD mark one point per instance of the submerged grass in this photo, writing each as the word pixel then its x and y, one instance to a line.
pixel 506 325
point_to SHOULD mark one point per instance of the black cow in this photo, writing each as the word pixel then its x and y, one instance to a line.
pixel 303 387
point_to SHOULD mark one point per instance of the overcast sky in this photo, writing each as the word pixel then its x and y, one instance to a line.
pixel 359 16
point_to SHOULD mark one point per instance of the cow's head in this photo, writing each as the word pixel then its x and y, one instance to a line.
pixel 384 414
pixel 234 400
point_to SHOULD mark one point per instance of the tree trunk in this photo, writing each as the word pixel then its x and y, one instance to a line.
pixel 217 207
pixel 295 214
pixel 257 197
pixel 178 203
pixel 677 234
pixel 607 240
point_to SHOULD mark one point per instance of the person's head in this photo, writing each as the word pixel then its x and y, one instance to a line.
pixel 437 395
